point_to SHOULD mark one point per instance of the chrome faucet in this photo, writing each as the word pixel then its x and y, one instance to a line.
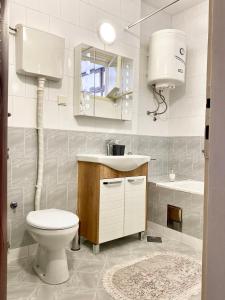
pixel 109 146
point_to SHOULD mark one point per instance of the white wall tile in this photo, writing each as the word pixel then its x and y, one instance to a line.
pixel 12 49
pixel 66 119
pixel 77 22
pixel 51 7
pixel 37 19
pixel 51 114
pixel 81 35
pixel 31 87
pixel 59 88
pixel 70 11
pixel 61 28
pixel 17 14
pixel 112 7
pixel 24 112
pixel 34 4
pixel 188 126
pixel 69 63
pixel 187 104
pixel 87 17
pixel 130 10
pixel 16 83
pixel 186 111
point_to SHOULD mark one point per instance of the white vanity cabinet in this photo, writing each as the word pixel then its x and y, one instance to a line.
pixel 111 203
pixel 122 207
pixel 134 205
pixel 111 209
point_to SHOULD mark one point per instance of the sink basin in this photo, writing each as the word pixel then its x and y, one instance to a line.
pixel 120 163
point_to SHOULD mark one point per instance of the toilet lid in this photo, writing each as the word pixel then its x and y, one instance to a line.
pixel 52 219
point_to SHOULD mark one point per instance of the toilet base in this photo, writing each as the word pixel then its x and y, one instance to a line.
pixel 51 266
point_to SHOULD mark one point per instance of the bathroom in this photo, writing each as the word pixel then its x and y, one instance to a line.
pixel 54 157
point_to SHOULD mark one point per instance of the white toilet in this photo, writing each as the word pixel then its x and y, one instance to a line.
pixel 53 230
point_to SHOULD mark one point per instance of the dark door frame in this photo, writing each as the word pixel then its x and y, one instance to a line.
pixel 3 145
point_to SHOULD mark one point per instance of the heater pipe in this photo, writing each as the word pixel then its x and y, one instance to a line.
pixel 40 133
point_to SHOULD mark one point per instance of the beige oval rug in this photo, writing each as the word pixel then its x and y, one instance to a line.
pixel 164 276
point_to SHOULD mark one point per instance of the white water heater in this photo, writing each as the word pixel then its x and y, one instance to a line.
pixel 167 59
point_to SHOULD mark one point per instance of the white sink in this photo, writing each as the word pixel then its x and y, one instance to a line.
pixel 120 163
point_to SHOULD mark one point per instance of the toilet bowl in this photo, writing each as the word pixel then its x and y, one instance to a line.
pixel 53 230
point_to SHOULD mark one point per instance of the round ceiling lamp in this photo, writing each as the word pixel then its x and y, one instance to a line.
pixel 107 33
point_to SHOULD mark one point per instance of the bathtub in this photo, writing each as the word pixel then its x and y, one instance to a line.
pixel 187 195
pixel 187 186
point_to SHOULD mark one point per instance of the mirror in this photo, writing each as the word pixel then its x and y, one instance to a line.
pixel 103 84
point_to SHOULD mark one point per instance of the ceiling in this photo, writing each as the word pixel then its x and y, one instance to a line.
pixel 176 8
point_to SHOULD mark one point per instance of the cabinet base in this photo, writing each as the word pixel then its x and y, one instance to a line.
pixel 96 248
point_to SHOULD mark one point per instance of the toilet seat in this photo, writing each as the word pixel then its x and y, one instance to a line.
pixel 52 219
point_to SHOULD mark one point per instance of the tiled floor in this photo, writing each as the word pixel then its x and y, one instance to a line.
pixel 86 270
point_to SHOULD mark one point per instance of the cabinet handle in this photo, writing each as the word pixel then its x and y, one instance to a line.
pixel 112 182
pixel 136 180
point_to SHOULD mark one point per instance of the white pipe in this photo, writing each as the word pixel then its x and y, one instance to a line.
pixel 40 131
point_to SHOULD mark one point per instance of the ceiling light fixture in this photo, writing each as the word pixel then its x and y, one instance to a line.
pixel 107 33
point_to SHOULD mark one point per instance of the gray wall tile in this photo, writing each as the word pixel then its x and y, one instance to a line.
pixel 19 235
pixel 16 142
pixel 143 145
pixel 72 196
pixel 66 170
pixel 23 171
pixel 60 168
pixel 30 142
pixel 95 143
pixel 50 171
pixel 186 158
pixel 57 197
pixel 28 199
pixel 57 143
pixel 77 143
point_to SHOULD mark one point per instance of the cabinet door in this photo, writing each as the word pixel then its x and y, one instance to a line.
pixel 111 210
pixel 135 205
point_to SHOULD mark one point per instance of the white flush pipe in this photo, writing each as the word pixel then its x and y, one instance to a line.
pixel 40 159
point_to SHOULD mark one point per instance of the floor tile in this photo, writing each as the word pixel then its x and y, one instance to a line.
pixel 87 269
